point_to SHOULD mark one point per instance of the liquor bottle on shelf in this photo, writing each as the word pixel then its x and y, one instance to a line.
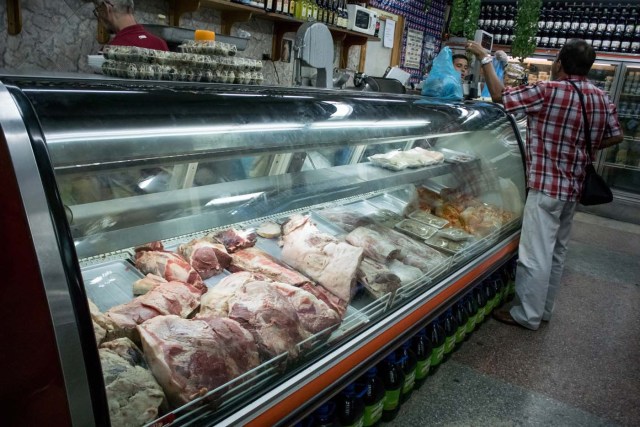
pixel 270 5
pixel 588 24
pixel 618 34
pixel 320 10
pixel 292 7
pixel 574 27
pixel 542 31
pixel 511 12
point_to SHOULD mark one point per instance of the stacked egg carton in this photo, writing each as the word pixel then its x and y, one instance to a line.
pixel 196 62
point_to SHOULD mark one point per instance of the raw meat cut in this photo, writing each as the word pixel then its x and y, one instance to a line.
pixel 192 357
pixel 326 260
pixel 271 319
pixel 258 261
pixel 151 246
pixel 377 278
pixel 216 301
pixel 374 245
pixel 147 283
pixel 133 395
pixel 411 252
pixel 103 327
pixel 234 240
pixel 168 298
pixel 206 257
pixel 345 219
pixel 315 315
pixel 405 272
pixel 332 301
pixel 169 266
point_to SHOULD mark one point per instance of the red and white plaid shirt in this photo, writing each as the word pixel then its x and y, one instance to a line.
pixel 555 148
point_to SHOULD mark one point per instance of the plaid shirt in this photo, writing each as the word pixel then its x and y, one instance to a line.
pixel 555 149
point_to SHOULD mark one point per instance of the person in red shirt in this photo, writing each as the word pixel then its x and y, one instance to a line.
pixel 556 157
pixel 117 16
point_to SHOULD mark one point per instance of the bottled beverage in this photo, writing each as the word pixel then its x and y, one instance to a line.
pixel 270 5
pixel 481 301
pixel 324 416
pixel 460 314
pixel 292 7
pixel 350 407
pixel 588 24
pixel 373 398
pixel 422 349
pixel 574 30
pixel 393 379
pixel 471 307
pixel 437 338
pixel 408 362
pixel 488 295
pixel 450 326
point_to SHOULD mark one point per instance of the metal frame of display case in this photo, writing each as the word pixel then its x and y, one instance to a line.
pixel 301 390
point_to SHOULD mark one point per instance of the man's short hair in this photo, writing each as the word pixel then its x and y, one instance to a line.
pixel 577 57
pixel 460 56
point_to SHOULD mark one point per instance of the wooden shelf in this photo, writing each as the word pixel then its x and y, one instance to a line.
pixel 230 13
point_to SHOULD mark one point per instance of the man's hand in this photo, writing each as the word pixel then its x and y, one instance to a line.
pixel 477 50
pixel 494 84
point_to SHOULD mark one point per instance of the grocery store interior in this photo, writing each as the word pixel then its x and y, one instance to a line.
pixel 274 212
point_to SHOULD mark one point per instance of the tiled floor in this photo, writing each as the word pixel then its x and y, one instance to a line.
pixel 580 369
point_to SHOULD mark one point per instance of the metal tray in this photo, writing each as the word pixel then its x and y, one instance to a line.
pixel 416 228
pixel 454 234
pixel 452 156
pixel 429 219
pixel 177 35
pixel 446 245
pixel 110 284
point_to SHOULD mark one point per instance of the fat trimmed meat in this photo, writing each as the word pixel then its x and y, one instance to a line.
pixel 323 258
pixel 189 358
pixel 206 257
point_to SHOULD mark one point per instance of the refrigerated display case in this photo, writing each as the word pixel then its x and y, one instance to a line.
pixel 99 173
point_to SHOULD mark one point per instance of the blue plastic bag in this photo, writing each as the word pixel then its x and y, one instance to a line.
pixel 443 81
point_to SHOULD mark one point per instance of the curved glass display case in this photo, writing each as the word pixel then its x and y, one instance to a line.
pixel 377 208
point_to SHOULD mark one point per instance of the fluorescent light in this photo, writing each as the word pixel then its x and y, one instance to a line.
pixel 233 199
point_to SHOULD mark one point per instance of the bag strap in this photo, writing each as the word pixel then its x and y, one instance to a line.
pixel 587 134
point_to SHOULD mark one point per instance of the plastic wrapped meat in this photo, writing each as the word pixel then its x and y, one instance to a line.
pixel 405 272
pixel 133 395
pixel 170 266
pixel 374 245
pixel 207 258
pixel 377 278
pixel 257 261
pixel 326 260
pixel 345 218
pixel 192 357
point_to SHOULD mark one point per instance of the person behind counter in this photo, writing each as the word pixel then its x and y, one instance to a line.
pixel 556 159
pixel 117 17
pixel 461 65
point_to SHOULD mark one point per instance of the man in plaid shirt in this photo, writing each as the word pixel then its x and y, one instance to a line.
pixel 556 158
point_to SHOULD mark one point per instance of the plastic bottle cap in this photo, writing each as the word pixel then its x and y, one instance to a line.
pixel 205 35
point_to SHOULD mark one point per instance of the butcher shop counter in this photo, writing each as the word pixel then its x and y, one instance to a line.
pixel 200 254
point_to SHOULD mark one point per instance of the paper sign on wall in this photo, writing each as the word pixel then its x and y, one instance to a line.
pixel 413 49
pixel 389 32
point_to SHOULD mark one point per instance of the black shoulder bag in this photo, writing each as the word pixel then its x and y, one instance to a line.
pixel 594 190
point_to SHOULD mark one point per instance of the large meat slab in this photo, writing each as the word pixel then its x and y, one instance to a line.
pixel 169 266
pixel 206 257
pixel 258 261
pixel 320 256
pixel 192 357
pixel 375 246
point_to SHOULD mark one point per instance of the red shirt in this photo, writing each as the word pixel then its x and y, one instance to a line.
pixel 555 149
pixel 136 35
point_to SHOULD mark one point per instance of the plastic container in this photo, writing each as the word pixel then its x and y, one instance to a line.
pixel 437 339
pixel 373 398
pixel 450 326
pixel 350 407
pixel 393 379
pixel 421 346
pixel 204 35
pixel 408 362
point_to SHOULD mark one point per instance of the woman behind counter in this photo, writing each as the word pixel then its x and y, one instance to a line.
pixel 117 17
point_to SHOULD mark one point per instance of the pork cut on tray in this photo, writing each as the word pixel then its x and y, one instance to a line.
pixel 192 357
pixel 258 261
pixel 168 298
pixel 322 257
pixel 133 394
pixel 206 257
pixel 169 266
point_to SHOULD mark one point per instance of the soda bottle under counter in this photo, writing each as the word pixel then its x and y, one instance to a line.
pixel 350 407
pixel 471 307
pixel 489 294
pixel 422 349
pixel 408 362
pixel 461 316
pixel 450 326
pixel 437 338
pixel 373 398
pixel 481 302
pixel 393 379
pixel 324 416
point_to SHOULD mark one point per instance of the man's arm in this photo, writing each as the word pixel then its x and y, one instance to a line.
pixel 610 142
pixel 494 84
